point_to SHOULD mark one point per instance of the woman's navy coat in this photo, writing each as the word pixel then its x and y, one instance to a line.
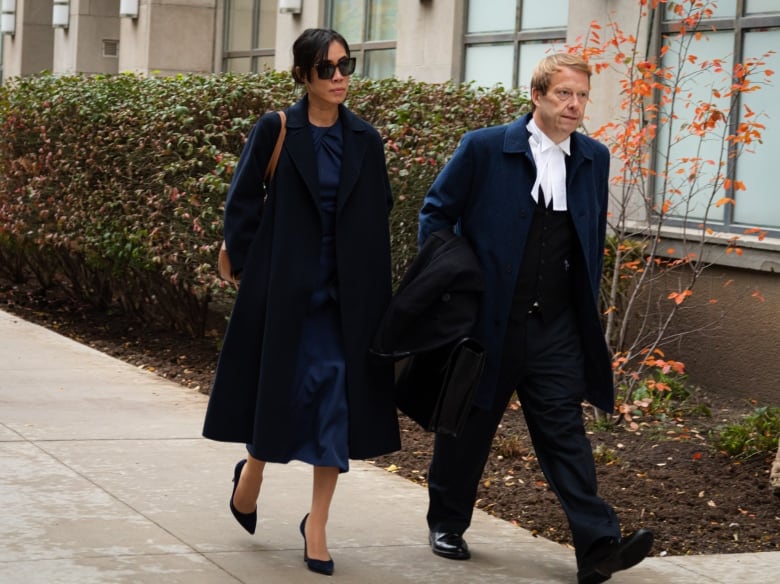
pixel 485 191
pixel 276 248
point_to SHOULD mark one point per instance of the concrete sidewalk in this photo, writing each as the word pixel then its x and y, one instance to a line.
pixel 104 478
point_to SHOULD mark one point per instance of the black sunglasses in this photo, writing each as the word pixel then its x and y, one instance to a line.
pixel 326 69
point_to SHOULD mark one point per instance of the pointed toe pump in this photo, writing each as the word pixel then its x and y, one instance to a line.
pixel 325 567
pixel 247 520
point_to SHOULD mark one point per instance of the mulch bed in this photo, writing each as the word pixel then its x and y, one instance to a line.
pixel 666 475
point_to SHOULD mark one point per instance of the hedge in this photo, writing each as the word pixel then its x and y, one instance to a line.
pixel 112 187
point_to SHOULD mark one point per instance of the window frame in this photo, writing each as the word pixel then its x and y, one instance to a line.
pixel 517 38
pixel 254 54
pixel 359 49
pixel 738 26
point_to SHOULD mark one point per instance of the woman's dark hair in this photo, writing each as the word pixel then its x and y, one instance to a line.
pixel 312 47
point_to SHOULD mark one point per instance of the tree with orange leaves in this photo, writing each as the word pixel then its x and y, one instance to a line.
pixel 682 127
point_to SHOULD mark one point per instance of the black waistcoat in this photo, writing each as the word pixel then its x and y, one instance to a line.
pixel 545 283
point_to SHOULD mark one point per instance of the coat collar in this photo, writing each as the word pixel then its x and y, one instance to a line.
pixel 516 141
pixel 517 135
pixel 300 147
pixel 298 117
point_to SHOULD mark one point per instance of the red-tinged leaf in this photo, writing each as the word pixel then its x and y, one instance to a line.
pixel 724 201
pixel 696 456
pixel 679 297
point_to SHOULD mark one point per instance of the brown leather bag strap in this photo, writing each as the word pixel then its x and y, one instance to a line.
pixel 269 172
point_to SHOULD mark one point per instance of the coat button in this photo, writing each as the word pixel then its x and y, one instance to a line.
pixel 446 297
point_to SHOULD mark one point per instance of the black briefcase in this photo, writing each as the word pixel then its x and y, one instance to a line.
pixel 436 388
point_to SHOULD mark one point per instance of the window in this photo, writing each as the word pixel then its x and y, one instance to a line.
pixel 370 29
pixel 249 36
pixel 732 37
pixel 506 38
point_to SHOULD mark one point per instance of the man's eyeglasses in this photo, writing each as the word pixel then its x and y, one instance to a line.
pixel 566 95
pixel 326 69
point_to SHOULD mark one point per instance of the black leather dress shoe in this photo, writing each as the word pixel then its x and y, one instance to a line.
pixel 615 555
pixel 449 545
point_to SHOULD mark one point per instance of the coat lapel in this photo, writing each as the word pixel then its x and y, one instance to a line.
pixel 516 139
pixel 354 152
pixel 580 154
pixel 516 142
pixel 298 144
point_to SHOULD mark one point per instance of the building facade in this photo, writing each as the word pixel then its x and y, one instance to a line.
pixel 482 41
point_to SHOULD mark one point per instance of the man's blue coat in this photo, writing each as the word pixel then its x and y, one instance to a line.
pixel 484 192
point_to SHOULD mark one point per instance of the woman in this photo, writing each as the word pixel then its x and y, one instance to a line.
pixel 295 380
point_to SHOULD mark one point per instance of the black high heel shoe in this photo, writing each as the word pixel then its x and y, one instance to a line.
pixel 247 520
pixel 320 566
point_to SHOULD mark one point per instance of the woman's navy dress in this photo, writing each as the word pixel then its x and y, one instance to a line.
pixel 320 396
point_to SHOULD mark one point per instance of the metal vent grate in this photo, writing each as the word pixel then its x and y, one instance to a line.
pixel 110 48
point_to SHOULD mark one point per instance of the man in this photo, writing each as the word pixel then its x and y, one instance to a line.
pixel 531 197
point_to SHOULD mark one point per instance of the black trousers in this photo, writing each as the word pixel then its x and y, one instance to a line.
pixel 543 362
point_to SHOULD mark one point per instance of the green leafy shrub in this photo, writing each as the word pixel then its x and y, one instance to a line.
pixel 422 124
pixel 113 187
pixel 605 455
pixel 107 185
pixel 662 394
pixel 755 435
